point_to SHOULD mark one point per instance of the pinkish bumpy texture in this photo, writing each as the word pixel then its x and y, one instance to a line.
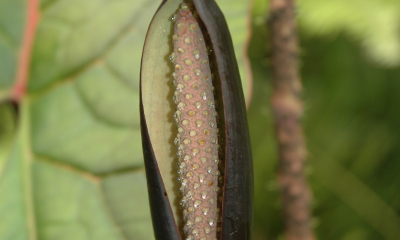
pixel 197 138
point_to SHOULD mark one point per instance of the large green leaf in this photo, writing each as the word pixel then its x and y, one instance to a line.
pixel 73 168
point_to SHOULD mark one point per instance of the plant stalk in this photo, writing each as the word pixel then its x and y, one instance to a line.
pixel 288 109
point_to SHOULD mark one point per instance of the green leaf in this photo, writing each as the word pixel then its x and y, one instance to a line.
pixel 14 221
pixel 88 181
pixel 12 19
pixel 74 35
pixel 237 15
pixel 13 224
pixel 71 204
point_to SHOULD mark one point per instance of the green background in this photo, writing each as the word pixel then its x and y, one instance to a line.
pixel 71 164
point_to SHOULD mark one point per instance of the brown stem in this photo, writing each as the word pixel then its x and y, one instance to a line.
pixel 288 109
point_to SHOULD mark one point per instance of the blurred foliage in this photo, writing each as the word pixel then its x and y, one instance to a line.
pixel 351 124
pixel 375 24
pixel 71 161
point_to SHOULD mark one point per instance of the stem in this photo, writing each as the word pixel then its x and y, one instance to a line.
pixel 32 20
pixel 288 109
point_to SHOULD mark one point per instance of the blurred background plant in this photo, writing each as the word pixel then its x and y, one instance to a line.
pixel 70 153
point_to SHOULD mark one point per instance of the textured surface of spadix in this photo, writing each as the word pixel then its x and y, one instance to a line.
pixel 197 139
